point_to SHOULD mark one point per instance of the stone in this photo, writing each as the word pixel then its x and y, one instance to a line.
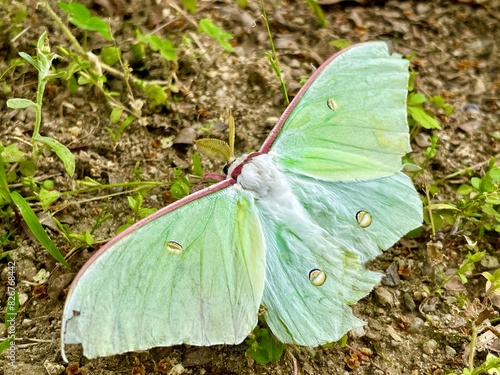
pixel 384 297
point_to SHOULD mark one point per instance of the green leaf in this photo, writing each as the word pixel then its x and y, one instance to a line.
pixel 102 27
pixel 61 151
pixel 448 109
pixel 75 10
pixel 81 17
pixel 415 99
pixel 340 43
pixel 476 183
pixel 179 189
pixel 5 344
pixel 197 167
pixel 36 228
pixel 442 206
pixel 125 123
pixel 47 197
pixel 437 100
pixel 27 167
pixel 318 11
pixel 145 212
pixel 464 189
pixel 164 46
pixel 156 95
pixel 189 5
pixel 424 119
pixel 60 74
pixel 116 114
pixel 11 154
pixel 208 27
pixel 264 348
pixel 411 81
pixel 4 185
pixel 494 173
pixel 111 55
pixel 18 103
pixel 29 59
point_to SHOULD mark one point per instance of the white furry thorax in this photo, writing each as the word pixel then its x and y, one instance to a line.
pixel 260 176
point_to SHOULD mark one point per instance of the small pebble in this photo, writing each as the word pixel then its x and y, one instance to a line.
pixel 430 305
pixel 27 322
pixel 53 368
pixel 429 346
pixel 384 297
pixel 416 325
pixel 220 93
pixel 391 277
pixel 490 262
pixel 178 369
pixel 419 296
pixel 23 297
pixel 408 301
pixel 450 352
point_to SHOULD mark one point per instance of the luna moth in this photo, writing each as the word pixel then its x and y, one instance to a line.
pixel 288 231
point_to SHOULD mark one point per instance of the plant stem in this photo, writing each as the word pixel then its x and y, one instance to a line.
pixel 274 59
pixel 42 81
pixel 430 210
pixel 63 27
pixel 472 346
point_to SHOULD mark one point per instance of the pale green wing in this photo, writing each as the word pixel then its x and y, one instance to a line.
pixel 332 229
pixel 191 273
pixel 299 252
pixel 349 120
pixel 371 215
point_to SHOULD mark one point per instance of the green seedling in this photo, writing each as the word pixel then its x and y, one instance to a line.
pixel 197 166
pixel 36 228
pixel 273 56
pixel 479 201
pixel 466 266
pixel 212 30
pixel 135 204
pixel 490 366
pixel 318 12
pixel 340 43
pixel 117 117
pixel 180 186
pixel 477 206
pixel 111 55
pixel 418 115
pixel 493 286
pixel 79 15
pixel 42 61
pixel 164 46
pixel 86 238
pixel 264 348
pixel 189 5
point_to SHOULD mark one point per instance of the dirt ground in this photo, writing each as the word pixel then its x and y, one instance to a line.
pixel 410 329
